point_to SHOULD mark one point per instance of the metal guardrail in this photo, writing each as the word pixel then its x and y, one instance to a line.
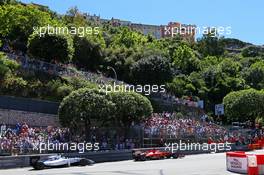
pixel 107 156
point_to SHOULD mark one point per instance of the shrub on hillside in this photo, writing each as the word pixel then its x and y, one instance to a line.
pixel 51 47
pixel 152 70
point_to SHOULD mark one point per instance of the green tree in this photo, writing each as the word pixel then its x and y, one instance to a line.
pixel 251 51
pixel 121 59
pixel 18 22
pixel 130 107
pixel 244 105
pixel 219 81
pixel 209 61
pixel 82 107
pixel 128 38
pixel 255 75
pixel 152 70
pixel 177 86
pixel 230 67
pixel 210 44
pixel 51 47
pixel 87 54
pixel 4 2
pixel 197 81
pixel 184 59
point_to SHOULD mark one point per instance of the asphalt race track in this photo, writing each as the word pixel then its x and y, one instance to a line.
pixel 206 164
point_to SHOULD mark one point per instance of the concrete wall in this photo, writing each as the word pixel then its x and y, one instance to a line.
pixel 12 117
pixel 27 104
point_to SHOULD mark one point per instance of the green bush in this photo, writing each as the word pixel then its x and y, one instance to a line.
pixel 251 51
pixel 51 47
pixel 152 70
pixel 14 85
pixel 87 54
pixel 78 83
pixel 36 89
pixel 64 90
pixel 17 22
pixel 3 70
pixel 7 65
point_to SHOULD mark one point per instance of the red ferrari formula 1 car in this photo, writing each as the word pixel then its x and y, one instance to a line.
pixel 141 155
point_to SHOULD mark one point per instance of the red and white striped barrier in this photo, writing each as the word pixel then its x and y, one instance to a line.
pixel 245 163
pixel 236 162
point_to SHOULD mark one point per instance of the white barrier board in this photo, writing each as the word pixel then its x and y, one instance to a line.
pixel 236 164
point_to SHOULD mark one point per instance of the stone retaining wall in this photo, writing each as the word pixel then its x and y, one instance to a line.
pixel 12 117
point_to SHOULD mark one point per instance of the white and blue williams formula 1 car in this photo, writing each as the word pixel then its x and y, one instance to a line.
pixel 59 161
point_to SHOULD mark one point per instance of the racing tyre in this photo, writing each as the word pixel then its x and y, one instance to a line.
pixel 175 156
pixel 136 159
pixel 39 166
pixel 143 158
pixel 84 162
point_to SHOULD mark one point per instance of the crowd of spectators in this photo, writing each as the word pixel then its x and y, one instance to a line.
pixel 22 139
pixel 168 125
pixel 170 98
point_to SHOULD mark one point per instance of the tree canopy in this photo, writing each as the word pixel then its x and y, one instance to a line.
pixel 17 22
pixel 90 107
pixel 51 47
pixel 151 70
pixel 244 105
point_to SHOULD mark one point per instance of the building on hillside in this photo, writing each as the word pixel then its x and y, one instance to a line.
pixel 186 31
pixel 91 17
pixel 146 29
pixel 118 22
pixel 94 18
pixel 173 29
pixel 112 21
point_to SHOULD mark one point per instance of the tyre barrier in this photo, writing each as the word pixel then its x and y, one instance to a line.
pixel 251 163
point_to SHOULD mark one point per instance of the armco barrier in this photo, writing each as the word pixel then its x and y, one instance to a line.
pixel 17 161
pixel 109 156
pixel 24 160
pixel 106 156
